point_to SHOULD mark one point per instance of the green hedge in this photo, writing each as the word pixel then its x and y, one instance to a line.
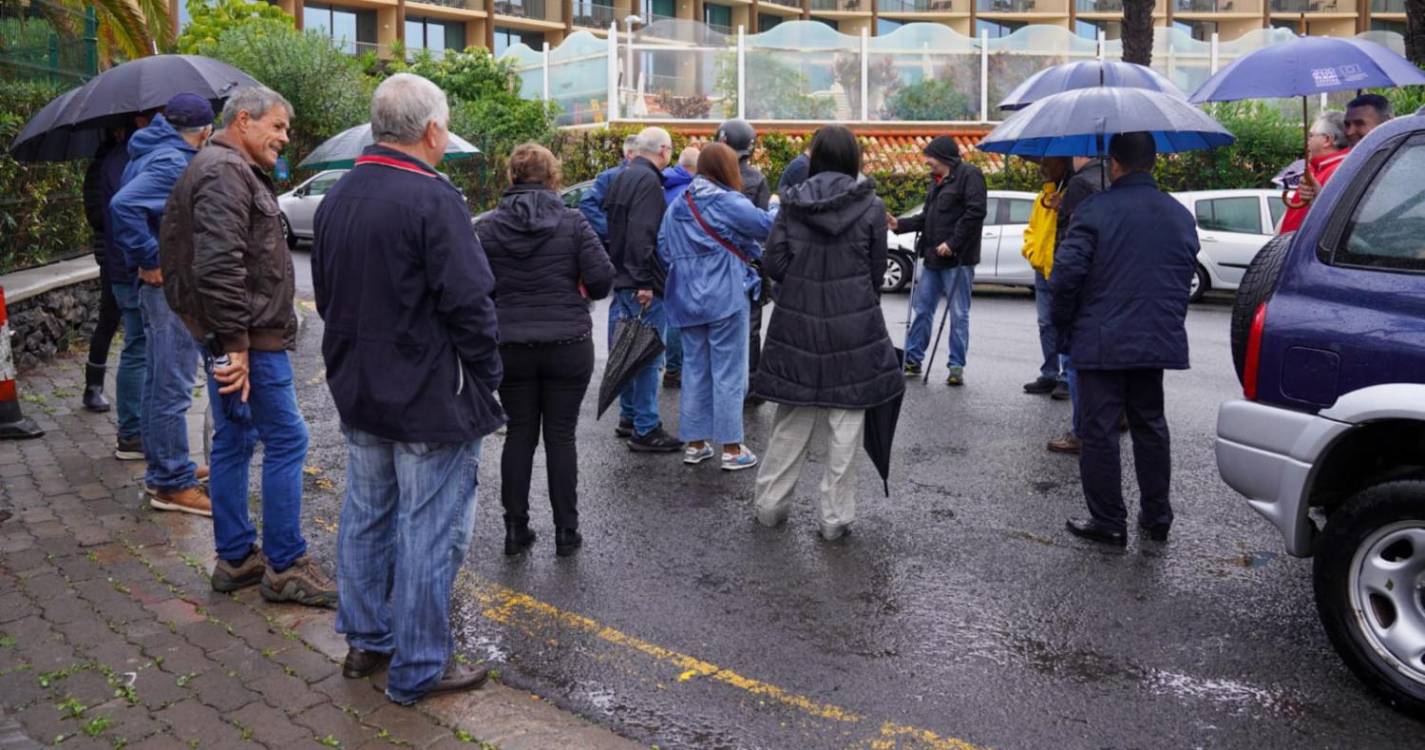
pixel 41 211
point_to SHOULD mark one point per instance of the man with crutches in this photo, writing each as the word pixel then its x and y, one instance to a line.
pixel 949 241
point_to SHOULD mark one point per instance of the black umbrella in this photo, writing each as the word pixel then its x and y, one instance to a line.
pixel 636 345
pixel 881 432
pixel 117 94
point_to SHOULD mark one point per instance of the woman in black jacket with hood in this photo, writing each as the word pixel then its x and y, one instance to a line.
pixel 548 264
pixel 828 356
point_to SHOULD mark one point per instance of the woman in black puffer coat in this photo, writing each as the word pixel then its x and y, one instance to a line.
pixel 828 355
pixel 547 263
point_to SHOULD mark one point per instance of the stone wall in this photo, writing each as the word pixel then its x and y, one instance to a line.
pixel 55 321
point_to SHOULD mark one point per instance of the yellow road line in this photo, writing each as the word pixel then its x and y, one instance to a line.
pixel 509 607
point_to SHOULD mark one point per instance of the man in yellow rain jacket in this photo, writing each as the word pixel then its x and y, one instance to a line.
pixel 1039 251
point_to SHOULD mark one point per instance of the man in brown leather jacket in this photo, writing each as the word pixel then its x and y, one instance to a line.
pixel 229 277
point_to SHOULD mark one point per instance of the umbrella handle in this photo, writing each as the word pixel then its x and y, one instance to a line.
pixel 1287 198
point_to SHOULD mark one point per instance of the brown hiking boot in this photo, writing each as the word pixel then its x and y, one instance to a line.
pixel 229 577
pixel 304 583
pixel 187 500
pixel 1066 443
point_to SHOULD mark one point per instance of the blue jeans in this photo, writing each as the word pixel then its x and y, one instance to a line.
pixel 934 283
pixel 673 340
pixel 639 401
pixel 1072 376
pixel 133 363
pixel 714 380
pixel 1048 340
pixel 405 528
pixel 170 372
pixel 276 421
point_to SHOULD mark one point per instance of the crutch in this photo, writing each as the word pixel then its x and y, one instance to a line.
pixel 949 303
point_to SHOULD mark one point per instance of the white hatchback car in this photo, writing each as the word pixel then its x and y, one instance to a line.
pixel 1006 216
pixel 299 205
pixel 1232 225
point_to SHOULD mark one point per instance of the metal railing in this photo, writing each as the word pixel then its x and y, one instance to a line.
pixel 1007 6
pixel 915 6
pixel 462 4
pixel 532 9
pixel 1308 6
pixel 1388 6
pixel 841 6
pixel 787 3
pixel 595 15
pixel 1212 6
pixel 43 40
pixel 1099 6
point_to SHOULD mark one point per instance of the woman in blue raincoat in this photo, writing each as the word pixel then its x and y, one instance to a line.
pixel 709 243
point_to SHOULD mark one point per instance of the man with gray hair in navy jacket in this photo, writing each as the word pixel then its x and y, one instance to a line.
pixel 412 353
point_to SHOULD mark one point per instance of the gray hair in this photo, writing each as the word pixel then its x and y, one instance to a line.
pixel 651 141
pixel 255 101
pixel 630 145
pixel 689 159
pixel 1332 124
pixel 403 106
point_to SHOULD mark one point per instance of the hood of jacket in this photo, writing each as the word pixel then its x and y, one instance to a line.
pixel 158 135
pixel 530 210
pixel 831 202
pixel 676 176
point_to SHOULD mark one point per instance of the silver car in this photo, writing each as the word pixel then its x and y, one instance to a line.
pixel 299 205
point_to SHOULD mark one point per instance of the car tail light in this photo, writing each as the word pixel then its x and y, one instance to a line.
pixel 1254 353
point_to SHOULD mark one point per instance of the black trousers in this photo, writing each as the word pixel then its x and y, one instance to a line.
pixel 754 336
pixel 1104 395
pixel 108 323
pixel 542 391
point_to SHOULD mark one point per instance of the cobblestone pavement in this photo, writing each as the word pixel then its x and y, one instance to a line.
pixel 111 637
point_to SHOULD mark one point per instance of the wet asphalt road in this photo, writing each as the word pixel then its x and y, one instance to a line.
pixel 957 614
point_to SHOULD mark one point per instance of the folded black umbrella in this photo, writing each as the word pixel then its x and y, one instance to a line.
pixel 66 128
pixel 880 432
pixel 636 345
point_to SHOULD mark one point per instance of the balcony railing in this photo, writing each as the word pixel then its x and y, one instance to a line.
pixel 1388 6
pixel 1308 6
pixel 532 9
pixel 1212 6
pixel 787 3
pixel 1007 6
pixel 841 6
pixel 915 6
pixel 1100 6
pixel 462 4
pixel 595 16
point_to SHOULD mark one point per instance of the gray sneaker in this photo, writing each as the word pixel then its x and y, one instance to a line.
pixel 228 577
pixel 304 583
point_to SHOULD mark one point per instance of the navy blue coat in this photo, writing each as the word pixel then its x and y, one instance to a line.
pixel 1121 278
pixel 411 341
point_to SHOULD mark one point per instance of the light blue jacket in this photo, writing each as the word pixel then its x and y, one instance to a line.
pixel 157 157
pixel 706 282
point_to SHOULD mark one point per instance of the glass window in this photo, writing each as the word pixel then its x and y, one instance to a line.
pixel 1199 30
pixel 506 38
pixel 996 29
pixel 767 21
pixel 992 211
pixel 1277 209
pixel 718 17
pixel 1019 211
pixel 886 26
pixel 1383 25
pixel 1241 215
pixel 353 31
pixel 829 22
pixel 321 185
pixel 1387 228
pixel 1089 29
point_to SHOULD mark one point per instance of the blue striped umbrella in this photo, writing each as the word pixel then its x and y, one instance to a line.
pixel 1081 123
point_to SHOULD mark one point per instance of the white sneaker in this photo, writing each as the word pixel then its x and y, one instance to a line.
pixel 744 459
pixel 693 455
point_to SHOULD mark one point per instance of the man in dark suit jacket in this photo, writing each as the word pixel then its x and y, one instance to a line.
pixel 1120 297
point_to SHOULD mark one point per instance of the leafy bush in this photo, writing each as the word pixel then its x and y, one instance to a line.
pixel 210 18
pixel 325 86
pixel 41 213
pixel 1266 142
pixel 930 99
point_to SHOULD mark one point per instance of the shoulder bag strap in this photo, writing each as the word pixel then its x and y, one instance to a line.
pixel 731 248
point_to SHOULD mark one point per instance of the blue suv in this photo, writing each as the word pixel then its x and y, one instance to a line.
pixel 1328 441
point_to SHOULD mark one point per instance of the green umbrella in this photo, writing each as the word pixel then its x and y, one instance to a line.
pixel 341 150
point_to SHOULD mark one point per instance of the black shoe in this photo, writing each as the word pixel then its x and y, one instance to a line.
pixel 360 663
pixel 94 399
pixel 1096 532
pixel 672 380
pixel 129 449
pixel 656 441
pixel 1040 386
pixel 459 677
pixel 1156 532
pixel 912 369
pixel 518 537
pixel 752 402
pixel 624 429
pixel 567 542
pixel 1060 392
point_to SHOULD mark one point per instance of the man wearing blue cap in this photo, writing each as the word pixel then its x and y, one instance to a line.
pixel 158 154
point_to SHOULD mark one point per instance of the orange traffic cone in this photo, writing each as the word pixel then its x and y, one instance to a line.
pixel 13 424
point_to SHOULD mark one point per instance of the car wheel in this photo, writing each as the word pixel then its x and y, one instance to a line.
pixel 1200 284
pixel 897 276
pixel 287 232
pixel 1369 576
pixel 1258 283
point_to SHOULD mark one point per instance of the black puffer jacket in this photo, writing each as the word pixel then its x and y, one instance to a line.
pixel 827 343
pixel 540 251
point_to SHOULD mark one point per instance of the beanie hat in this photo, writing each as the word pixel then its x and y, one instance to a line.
pixel 943 148
pixel 188 111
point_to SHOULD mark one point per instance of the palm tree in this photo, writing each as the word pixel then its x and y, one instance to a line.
pixel 1138 31
pixel 1415 31
pixel 127 29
